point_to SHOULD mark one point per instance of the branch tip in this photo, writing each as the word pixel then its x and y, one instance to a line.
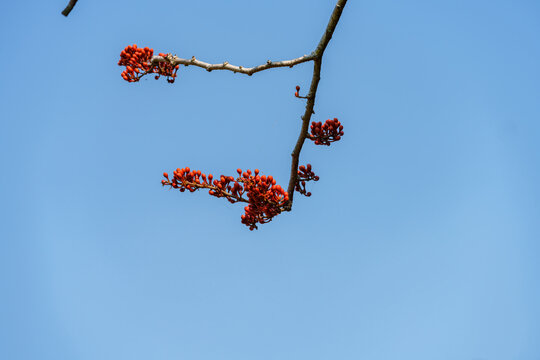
pixel 69 7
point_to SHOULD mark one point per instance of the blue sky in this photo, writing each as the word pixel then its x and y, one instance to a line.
pixel 420 240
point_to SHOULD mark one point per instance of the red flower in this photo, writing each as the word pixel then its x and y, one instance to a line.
pixel 265 198
pixel 138 62
pixel 324 134
pixel 304 174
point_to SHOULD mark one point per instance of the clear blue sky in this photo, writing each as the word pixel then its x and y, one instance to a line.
pixel 420 242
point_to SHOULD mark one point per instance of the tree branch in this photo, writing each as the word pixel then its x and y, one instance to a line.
pixel 69 7
pixel 318 54
pixel 175 60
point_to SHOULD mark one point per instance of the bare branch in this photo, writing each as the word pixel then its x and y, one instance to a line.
pixel 69 7
pixel 175 60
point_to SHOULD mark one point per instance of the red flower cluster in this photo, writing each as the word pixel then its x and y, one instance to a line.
pixel 138 63
pixel 324 134
pixel 304 174
pixel 265 199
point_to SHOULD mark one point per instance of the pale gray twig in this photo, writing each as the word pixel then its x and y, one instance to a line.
pixel 175 60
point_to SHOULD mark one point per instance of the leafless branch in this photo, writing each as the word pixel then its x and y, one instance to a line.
pixel 174 60
pixel 69 7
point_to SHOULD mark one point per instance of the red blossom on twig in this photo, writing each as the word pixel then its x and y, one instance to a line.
pixel 297 93
pixel 304 174
pixel 265 198
pixel 138 63
pixel 324 134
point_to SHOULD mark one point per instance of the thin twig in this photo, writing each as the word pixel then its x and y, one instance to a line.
pixel 69 7
pixel 175 60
